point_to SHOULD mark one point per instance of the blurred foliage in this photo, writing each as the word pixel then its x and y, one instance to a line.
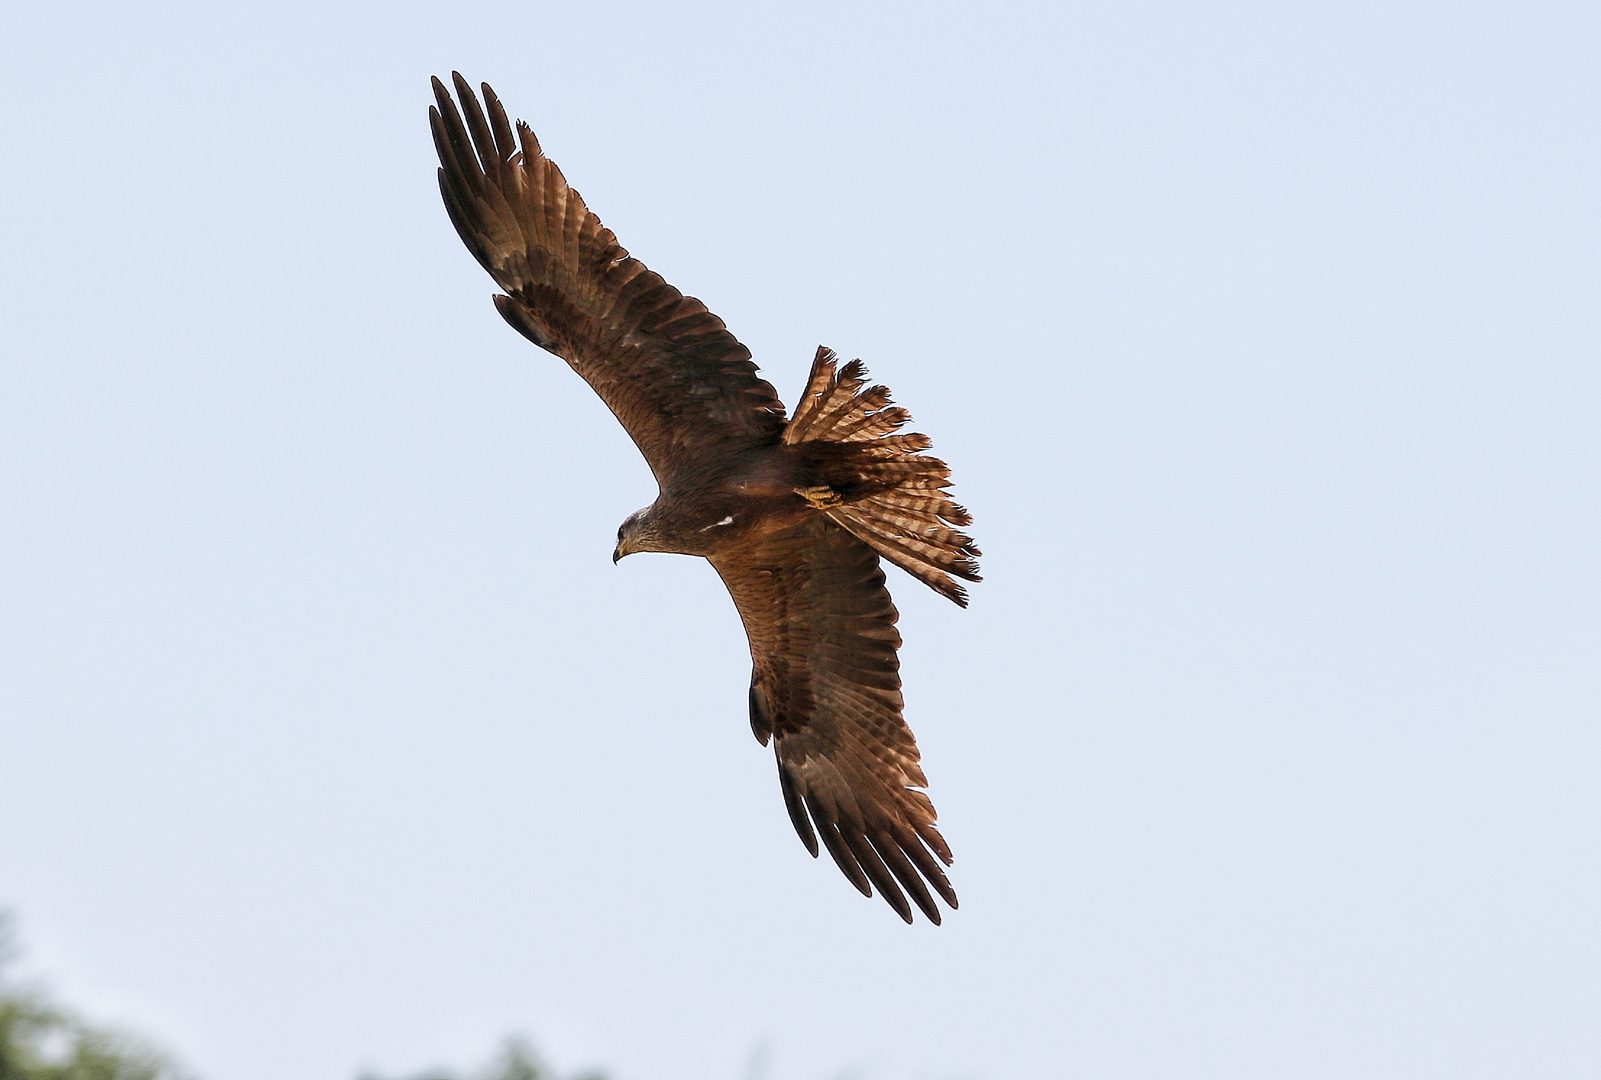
pixel 516 1061
pixel 41 1041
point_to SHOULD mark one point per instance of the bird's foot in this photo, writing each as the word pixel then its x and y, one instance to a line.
pixel 822 497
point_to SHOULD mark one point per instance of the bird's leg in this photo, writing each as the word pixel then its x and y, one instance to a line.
pixel 821 497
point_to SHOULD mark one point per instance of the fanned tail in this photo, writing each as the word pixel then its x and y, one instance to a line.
pixel 901 510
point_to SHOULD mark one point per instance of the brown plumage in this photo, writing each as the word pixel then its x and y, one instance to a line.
pixel 793 515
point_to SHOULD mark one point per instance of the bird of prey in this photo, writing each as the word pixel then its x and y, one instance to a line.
pixel 793 514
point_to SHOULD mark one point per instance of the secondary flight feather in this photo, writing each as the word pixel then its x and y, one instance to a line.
pixel 794 514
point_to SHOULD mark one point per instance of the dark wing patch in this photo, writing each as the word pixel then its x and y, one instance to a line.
pixel 683 387
pixel 826 689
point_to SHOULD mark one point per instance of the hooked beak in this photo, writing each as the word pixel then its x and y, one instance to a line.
pixel 617 553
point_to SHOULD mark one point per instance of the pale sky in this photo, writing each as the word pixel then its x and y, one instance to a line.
pixel 1263 340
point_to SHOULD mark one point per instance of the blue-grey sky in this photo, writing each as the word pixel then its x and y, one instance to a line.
pixel 1263 340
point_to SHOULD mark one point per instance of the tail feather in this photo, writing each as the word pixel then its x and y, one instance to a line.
pixel 933 564
pixel 923 526
pixel 831 398
pixel 936 505
pixel 910 443
pixel 873 425
pixel 903 513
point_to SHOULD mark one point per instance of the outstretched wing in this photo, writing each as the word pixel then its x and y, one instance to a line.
pixel 826 689
pixel 682 386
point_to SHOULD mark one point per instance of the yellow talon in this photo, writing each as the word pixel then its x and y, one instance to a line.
pixel 821 498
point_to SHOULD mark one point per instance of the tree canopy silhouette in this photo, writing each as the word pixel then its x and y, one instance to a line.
pixel 40 1040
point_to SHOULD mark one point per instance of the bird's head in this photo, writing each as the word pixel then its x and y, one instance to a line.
pixel 637 533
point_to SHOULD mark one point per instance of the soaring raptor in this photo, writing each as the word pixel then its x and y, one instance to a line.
pixel 793 514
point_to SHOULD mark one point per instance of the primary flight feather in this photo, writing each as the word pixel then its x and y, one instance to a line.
pixel 793 514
